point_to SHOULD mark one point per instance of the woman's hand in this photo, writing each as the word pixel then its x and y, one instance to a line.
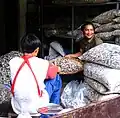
pixel 70 55
pixel 59 69
pixel 54 63
pixel 73 55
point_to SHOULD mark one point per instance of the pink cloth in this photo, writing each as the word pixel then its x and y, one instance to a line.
pixel 52 71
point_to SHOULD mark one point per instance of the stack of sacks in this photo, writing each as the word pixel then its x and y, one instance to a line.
pixel 102 65
pixel 101 77
pixel 5 94
pixel 109 25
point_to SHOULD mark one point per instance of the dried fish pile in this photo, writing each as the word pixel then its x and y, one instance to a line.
pixel 4 66
pixel 107 78
pixel 68 65
pixel 5 94
pixel 60 27
pixel 95 85
pixel 107 16
pixel 109 27
pixel 96 73
pixel 5 97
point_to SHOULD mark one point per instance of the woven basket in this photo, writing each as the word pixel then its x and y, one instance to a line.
pixel 68 65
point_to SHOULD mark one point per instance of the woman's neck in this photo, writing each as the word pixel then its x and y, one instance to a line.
pixel 28 54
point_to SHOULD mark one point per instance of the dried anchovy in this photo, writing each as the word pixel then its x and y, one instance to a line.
pixel 4 66
pixel 77 34
pixel 107 16
pixel 105 36
pixel 100 88
pixel 116 32
pixel 111 42
pixel 105 27
pixel 74 33
pixel 104 54
pixel 116 20
pixel 107 77
pixel 68 65
pixel 117 40
pixel 116 27
pixel 109 35
pixel 96 25
pixel 91 95
pixel 5 94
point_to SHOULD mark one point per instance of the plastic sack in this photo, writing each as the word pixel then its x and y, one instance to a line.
pixel 104 54
pixel 55 50
pixel 107 16
pixel 108 77
pixel 97 73
pixel 73 95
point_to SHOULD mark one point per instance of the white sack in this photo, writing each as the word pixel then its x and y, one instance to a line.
pixel 105 54
pixel 104 75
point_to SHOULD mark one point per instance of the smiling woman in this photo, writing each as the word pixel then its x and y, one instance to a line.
pixel 89 40
pixel 88 30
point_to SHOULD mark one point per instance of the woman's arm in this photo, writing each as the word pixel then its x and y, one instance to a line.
pixel 52 71
pixel 75 54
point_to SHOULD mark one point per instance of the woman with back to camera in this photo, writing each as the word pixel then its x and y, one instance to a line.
pixel 89 39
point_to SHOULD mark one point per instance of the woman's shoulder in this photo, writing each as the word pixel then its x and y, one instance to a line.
pixel 98 40
pixel 40 60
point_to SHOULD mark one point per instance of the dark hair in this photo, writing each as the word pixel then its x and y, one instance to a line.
pixel 29 43
pixel 85 24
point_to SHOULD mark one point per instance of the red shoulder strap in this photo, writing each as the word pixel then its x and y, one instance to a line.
pixel 28 63
pixel 14 80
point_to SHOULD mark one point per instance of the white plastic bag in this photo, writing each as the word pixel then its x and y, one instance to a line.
pixel 73 95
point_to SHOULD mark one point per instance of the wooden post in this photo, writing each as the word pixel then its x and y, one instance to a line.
pixel 22 19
